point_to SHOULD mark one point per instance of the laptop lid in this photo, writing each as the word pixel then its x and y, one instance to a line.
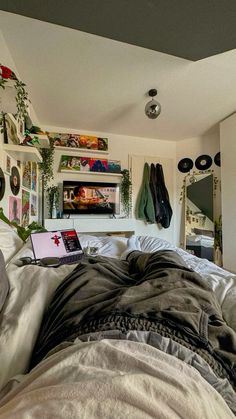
pixel 60 243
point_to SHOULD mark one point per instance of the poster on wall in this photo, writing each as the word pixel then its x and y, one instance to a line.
pixel 87 142
pixel 33 205
pixel 14 209
pixel 34 176
pixel 15 180
pixel 25 208
pixel 26 174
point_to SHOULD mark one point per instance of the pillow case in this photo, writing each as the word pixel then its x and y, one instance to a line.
pixel 10 242
pixel 4 283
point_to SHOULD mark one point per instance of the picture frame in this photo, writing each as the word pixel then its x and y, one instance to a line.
pixel 11 125
pixel 79 142
pixel 21 130
pixel 8 164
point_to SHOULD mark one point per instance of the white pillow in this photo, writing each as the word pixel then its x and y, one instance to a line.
pixel 10 242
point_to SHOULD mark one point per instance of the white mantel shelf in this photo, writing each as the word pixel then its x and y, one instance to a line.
pixel 80 150
pixel 86 172
pixel 23 153
pixel 93 225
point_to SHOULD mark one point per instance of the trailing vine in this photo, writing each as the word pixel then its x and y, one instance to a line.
pixel 126 192
pixel 46 167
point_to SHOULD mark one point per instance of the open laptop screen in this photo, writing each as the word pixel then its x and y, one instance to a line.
pixel 59 244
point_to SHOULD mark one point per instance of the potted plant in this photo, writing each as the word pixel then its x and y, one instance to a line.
pixel 126 192
pixel 53 200
pixel 8 78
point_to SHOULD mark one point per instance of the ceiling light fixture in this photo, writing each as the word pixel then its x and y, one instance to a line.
pixel 152 108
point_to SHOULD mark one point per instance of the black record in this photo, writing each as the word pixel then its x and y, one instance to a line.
pixel 217 159
pixel 15 180
pixel 185 165
pixel 203 162
pixel 2 184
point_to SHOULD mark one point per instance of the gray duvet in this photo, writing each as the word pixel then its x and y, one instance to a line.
pixel 149 292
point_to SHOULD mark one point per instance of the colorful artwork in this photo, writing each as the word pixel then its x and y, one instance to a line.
pixel 97 165
pixel 34 176
pixel 114 166
pixel 26 174
pixel 88 142
pixel 70 163
pixel 25 208
pixel 15 209
pixel 8 164
pixel 33 205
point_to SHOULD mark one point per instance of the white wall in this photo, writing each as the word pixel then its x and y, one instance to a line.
pixel 228 176
pixel 120 148
pixel 192 148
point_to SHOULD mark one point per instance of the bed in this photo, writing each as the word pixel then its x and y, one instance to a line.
pixel 142 330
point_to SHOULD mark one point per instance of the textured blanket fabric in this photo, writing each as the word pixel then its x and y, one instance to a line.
pixel 114 379
pixel 4 283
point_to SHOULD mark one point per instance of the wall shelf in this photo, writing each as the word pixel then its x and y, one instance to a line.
pixel 23 153
pixel 84 151
pixel 80 172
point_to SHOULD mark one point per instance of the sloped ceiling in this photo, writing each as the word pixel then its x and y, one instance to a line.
pixel 80 80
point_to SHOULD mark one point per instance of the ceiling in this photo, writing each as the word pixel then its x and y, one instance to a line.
pixel 83 81
pixel 190 29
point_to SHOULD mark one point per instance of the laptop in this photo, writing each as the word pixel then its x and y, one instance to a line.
pixel 61 244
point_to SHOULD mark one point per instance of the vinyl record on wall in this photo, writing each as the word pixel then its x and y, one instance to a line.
pixel 2 184
pixel 217 159
pixel 15 180
pixel 203 162
pixel 185 165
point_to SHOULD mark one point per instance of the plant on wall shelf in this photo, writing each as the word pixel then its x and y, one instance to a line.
pixel 21 97
pixel 126 192
pixel 53 200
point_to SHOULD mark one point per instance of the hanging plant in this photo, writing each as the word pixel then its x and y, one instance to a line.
pixel 52 199
pixel 22 99
pixel 126 192
pixel 46 167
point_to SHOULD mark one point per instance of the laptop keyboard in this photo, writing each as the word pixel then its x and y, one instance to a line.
pixel 70 259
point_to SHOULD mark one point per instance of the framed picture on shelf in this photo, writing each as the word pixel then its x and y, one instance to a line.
pixel 70 163
pixel 11 129
pixel 97 165
pixel 114 166
pixel 86 142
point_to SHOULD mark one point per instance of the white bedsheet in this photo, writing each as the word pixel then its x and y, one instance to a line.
pixel 114 379
pixel 33 286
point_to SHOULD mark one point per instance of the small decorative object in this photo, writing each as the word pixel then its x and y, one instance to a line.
pixel 152 108
pixel 25 208
pixel 91 250
pixel 2 184
pixel 15 209
pixel 8 78
pixel 185 165
pixel 15 180
pixel 87 142
pixel 203 162
pixel 53 200
pixel 217 159
pixel 126 192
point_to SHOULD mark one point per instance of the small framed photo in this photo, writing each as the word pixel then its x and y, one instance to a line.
pixel 11 129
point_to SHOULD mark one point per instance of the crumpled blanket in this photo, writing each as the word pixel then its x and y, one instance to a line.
pixel 113 379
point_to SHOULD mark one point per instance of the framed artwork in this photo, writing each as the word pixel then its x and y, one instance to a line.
pixel 86 142
pixel 97 165
pixel 11 129
pixel 15 209
pixel 8 164
pixel 114 166
pixel 34 176
pixel 26 174
pixel 70 163
pixel 25 208
pixel 33 205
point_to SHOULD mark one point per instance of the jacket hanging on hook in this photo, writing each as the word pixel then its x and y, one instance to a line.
pixel 164 212
pixel 145 207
